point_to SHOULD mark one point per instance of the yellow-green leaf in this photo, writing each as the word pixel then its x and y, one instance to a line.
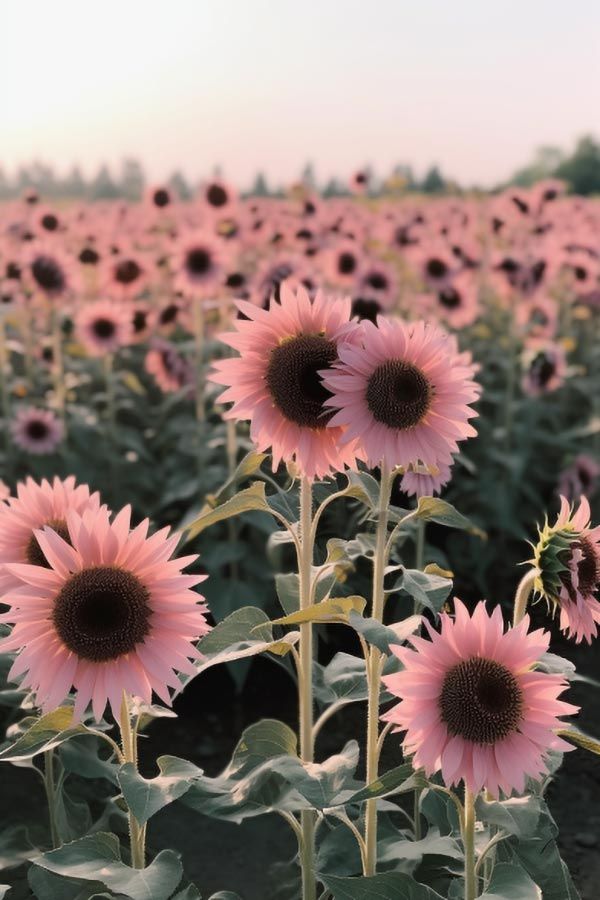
pixel 335 609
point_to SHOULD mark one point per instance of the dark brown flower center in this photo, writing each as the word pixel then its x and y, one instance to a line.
pixel 37 430
pixel 436 268
pixel 198 261
pixel 481 701
pixel 366 308
pixel 216 195
pixel 104 328
pixel 127 271
pixel 294 382
pixel 588 568
pixel 542 369
pixel 346 263
pixel 398 394
pixel 89 256
pixel 48 274
pixel 49 222
pixel 168 314
pixel 450 298
pixel 161 198
pixel 34 553
pixel 377 281
pixel 101 613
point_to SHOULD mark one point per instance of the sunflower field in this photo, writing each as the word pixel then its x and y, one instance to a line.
pixel 300 546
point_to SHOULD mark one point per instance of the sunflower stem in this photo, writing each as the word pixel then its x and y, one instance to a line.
pixel 5 386
pixel 50 788
pixel 469 845
pixel 111 421
pixel 137 832
pixel 198 313
pixel 58 368
pixel 374 668
pixel 523 594
pixel 305 560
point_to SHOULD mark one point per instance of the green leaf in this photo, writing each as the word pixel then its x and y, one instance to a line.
pixel 246 623
pixel 388 886
pixel 288 587
pixel 238 637
pixel 432 509
pixel 538 854
pixel 397 781
pixel 517 815
pixel 336 609
pixel 509 882
pixel 343 679
pixel 145 796
pixel 250 498
pixel 433 844
pixel 97 858
pixel 44 734
pixel 264 740
pixel 428 590
pixel 384 636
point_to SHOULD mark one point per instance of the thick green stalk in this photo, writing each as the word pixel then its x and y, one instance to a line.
pixel 469 845
pixel 50 788
pixel 523 594
pixel 137 832
pixel 374 668
pixel 305 688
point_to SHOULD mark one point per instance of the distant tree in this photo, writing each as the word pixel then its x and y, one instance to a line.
pixel 133 180
pixel 433 183
pixel 74 184
pixel 180 186
pixel 260 187
pixel 545 162
pixel 103 187
pixel 308 177
pixel 581 170
pixel 6 190
pixel 334 188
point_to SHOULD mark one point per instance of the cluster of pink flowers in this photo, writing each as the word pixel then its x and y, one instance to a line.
pixel 326 391
pixel 97 607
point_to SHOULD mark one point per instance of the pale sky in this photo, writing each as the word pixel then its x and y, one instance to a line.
pixel 474 85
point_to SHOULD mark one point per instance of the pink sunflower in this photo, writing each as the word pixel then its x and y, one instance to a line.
pixel 35 506
pixel 37 431
pixel 567 558
pixel 403 394
pixel 198 264
pixel 112 613
pixel 472 704
pixel 276 381
pixel 103 327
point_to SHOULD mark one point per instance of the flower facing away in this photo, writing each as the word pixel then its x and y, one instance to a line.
pixel 37 431
pixel 567 558
pixel 423 483
pixel 103 327
pixel 112 613
pixel 276 381
pixel 34 507
pixel 403 393
pixel 473 706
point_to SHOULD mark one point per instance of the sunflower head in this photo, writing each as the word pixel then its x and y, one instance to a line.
pixel 552 553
